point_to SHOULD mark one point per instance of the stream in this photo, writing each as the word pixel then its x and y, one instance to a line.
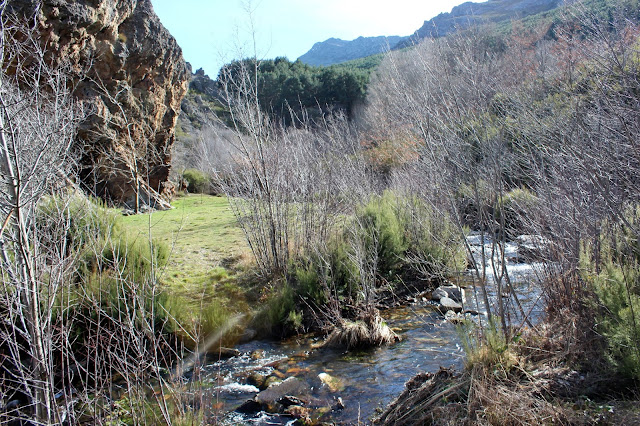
pixel 365 381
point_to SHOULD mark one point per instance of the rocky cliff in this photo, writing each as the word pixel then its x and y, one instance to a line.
pixel 131 77
pixel 202 106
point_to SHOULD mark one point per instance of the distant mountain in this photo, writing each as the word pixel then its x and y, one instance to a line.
pixel 470 13
pixel 335 50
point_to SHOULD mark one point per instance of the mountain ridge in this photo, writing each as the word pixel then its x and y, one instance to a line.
pixel 335 50
pixel 469 13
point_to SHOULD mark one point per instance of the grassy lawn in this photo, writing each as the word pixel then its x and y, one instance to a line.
pixel 206 248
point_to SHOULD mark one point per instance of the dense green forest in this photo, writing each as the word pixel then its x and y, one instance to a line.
pixel 287 88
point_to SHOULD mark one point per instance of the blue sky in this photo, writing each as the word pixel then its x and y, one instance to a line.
pixel 213 32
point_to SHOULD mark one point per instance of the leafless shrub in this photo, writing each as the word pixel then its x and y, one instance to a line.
pixel 37 126
pixel 441 93
pixel 287 186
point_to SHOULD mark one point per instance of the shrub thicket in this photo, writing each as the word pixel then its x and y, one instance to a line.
pixel 280 314
pixel 390 240
pixel 197 182
pixel 114 272
pixel 612 267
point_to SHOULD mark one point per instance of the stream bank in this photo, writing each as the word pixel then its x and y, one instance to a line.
pixel 333 385
pixel 365 381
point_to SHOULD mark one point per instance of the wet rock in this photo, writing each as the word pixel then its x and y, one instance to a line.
pixel 454 292
pixel 333 383
pixel 275 364
pixel 256 379
pixel 439 293
pixel 271 395
pixel 288 400
pixel 224 353
pixel 216 354
pixel 298 412
pixel 451 291
pixel 249 407
pixel 271 381
pixel 339 405
pixel 296 371
pixel 279 374
pixel 454 318
pixel 448 304
pixel 257 354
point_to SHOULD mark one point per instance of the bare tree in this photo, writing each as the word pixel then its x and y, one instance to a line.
pixel 79 300
pixel 286 185
pixel 443 89
pixel 38 119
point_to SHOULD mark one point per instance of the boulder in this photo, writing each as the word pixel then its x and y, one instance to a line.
pixel 454 292
pixel 270 381
pixel 274 393
pixel 256 379
pixel 299 412
pixel 448 304
pixel 250 406
pixel 257 354
pixel 439 293
pixel 222 353
pixel 333 383
pixel 129 74
pixel 451 291
pixel 454 318
pixel 289 400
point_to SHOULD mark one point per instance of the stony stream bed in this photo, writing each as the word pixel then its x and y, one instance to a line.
pixel 343 387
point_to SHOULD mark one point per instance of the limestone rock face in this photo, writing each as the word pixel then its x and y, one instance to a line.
pixel 130 75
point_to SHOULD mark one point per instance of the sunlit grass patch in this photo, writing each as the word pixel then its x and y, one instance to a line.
pixel 207 251
pixel 202 234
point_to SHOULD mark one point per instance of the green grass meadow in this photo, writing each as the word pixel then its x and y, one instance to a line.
pixel 207 251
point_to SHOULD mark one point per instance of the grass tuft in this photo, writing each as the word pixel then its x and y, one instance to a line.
pixel 369 331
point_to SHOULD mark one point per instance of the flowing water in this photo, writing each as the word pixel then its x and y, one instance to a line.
pixel 366 381
pixel 524 277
